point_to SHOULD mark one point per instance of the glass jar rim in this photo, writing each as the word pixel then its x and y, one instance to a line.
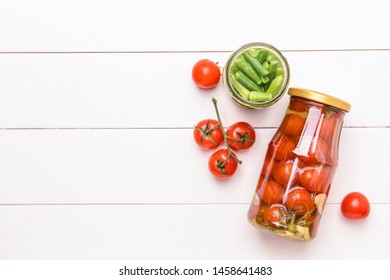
pixel 320 97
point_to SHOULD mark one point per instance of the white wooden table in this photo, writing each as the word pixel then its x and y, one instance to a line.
pixel 97 109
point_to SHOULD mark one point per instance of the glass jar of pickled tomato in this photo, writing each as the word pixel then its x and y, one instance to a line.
pixel 299 166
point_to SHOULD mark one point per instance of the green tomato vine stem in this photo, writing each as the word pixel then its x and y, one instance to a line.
pixel 225 137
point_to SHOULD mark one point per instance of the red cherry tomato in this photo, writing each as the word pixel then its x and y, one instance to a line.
pixel 292 125
pixel 282 148
pixel 206 74
pixel 355 206
pixel 300 201
pixel 260 182
pixel 271 192
pixel 208 134
pixel 274 215
pixel 316 181
pixel 313 151
pixel 241 136
pixel 328 127
pixel 267 166
pixel 282 172
pixel 221 165
pixel 297 106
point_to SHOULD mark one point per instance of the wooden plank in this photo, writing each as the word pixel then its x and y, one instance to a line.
pixel 161 166
pixel 178 232
pixel 156 90
pixel 122 25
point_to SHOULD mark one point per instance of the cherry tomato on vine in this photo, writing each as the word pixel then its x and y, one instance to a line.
pixel 222 165
pixel 300 201
pixel 355 206
pixel 206 74
pixel 241 136
pixel 208 134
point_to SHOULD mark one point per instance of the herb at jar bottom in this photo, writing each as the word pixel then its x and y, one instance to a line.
pixel 277 219
pixel 257 75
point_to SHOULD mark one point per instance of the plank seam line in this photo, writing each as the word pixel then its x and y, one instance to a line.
pixel 162 128
pixel 148 204
pixel 184 51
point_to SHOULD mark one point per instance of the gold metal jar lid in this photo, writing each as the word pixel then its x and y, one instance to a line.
pixel 320 97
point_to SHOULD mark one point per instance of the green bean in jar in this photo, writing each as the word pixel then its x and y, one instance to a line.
pixel 256 75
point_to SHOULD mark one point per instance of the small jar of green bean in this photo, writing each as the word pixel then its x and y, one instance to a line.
pixel 256 75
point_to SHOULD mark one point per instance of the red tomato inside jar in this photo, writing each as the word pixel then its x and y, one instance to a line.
pixel 300 163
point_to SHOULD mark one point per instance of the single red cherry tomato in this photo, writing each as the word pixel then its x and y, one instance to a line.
pixel 271 192
pixel 206 74
pixel 328 127
pixel 314 180
pixel 282 148
pixel 284 172
pixel 300 201
pixel 241 136
pixel 313 150
pixel 267 166
pixel 260 182
pixel 274 215
pixel 208 134
pixel 222 165
pixel 292 125
pixel 297 106
pixel 355 206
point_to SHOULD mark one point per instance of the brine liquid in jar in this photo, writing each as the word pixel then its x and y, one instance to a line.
pixel 299 166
